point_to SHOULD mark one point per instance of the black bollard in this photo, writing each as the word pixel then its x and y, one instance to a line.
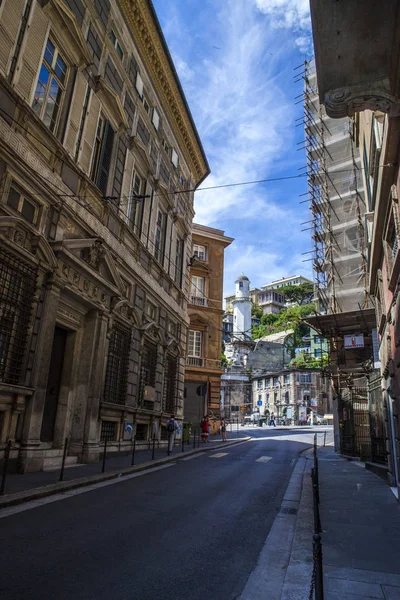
pixel 5 467
pixel 63 460
pixel 104 456
pixel 154 447
pixel 133 451
pixel 324 439
pixel 319 576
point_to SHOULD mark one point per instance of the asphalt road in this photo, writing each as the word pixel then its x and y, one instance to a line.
pixel 192 530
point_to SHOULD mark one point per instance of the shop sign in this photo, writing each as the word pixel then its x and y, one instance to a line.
pixel 354 341
pixel 302 413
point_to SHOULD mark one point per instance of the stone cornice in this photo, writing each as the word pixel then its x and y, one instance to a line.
pixel 148 37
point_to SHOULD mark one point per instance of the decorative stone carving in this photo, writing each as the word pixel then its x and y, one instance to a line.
pixel 96 253
pixel 346 101
pixel 19 237
pixel 76 279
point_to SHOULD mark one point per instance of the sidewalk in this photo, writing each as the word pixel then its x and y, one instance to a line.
pixel 18 486
pixel 360 521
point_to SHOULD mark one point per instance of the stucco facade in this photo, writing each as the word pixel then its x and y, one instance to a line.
pixel 203 361
pixel 98 158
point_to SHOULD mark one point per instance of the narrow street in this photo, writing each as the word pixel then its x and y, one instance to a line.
pixel 190 530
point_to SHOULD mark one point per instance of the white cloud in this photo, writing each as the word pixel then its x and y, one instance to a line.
pixel 293 15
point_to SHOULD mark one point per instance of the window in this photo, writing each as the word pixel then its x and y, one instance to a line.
pixel 276 381
pixel 174 157
pixel 159 244
pixel 155 119
pixel 116 44
pixel 116 382
pixel 268 382
pixel 318 353
pixel 102 154
pixel 260 384
pixel 178 262
pixel 50 87
pixel 318 339
pixel 108 431
pixel 195 343
pixel 197 286
pixel 146 105
pixel 305 378
pixel 199 252
pixel 286 378
pixel 136 190
pixel 151 311
pixel 24 206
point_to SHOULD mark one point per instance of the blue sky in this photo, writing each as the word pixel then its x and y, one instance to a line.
pixel 236 61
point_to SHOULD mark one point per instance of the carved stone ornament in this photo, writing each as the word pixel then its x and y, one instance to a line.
pixel 96 253
pixel 19 237
pixel 346 101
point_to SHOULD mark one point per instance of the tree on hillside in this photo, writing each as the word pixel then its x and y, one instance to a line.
pixel 301 294
pixel 256 310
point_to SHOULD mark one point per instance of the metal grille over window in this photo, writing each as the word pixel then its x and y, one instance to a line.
pixel 17 289
pixel 170 377
pixel 148 368
pixel 117 365
pixel 108 431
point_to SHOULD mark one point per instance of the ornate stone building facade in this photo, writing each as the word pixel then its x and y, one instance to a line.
pixel 99 157
pixel 203 362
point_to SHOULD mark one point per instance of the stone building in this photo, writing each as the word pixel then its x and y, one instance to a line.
pixel 203 361
pixel 292 393
pixel 99 157
pixel 366 81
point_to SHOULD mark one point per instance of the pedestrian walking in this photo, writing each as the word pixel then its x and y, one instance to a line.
pixel 205 429
pixel 172 426
pixel 272 420
pixel 223 430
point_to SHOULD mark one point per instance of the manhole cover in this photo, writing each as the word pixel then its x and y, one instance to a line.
pixel 288 511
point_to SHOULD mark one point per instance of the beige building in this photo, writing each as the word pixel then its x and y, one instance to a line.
pixel 203 361
pixel 99 157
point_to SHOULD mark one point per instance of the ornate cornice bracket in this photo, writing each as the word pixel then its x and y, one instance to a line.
pixel 346 101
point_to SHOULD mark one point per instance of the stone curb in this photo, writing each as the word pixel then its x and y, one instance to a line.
pixel 64 486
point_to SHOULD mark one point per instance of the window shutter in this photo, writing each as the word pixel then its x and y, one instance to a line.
pixel 10 21
pixel 85 155
pixel 139 84
pixel 78 100
pixel 155 119
pixel 31 57
pixel 105 159
pixel 174 157
pixel 127 180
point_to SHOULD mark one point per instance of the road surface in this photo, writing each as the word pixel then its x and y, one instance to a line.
pixel 192 530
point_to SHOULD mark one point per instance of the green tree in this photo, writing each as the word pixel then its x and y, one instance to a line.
pixel 256 310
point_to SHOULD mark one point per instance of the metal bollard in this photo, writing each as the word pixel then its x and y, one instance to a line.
pixel 194 439
pixel 5 467
pixel 154 447
pixel 183 444
pixel 104 456
pixel 319 575
pixel 63 460
pixel 133 451
pixel 324 439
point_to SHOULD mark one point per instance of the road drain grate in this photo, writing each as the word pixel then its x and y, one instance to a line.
pixel 288 511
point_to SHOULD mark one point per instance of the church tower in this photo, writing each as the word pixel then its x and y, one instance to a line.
pixel 242 309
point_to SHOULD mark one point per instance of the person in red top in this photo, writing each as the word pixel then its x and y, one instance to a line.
pixel 205 425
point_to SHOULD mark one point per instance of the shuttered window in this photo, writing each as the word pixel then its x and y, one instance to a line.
pixel 102 154
pixel 50 87
pixel 179 261
pixel 159 243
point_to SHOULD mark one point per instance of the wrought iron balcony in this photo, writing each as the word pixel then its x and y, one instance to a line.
pixel 199 300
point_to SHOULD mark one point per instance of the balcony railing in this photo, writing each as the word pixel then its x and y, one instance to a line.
pixel 206 363
pixel 199 300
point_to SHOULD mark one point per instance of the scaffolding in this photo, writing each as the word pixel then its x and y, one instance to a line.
pixel 336 203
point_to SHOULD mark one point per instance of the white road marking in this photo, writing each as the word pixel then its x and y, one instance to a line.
pixel 193 456
pixel 264 459
pixel 12 510
pixel 219 455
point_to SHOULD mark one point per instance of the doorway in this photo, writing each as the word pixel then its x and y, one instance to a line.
pixel 53 385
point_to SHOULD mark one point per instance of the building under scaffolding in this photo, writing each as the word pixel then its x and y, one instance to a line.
pixel 337 206
pixel 339 254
